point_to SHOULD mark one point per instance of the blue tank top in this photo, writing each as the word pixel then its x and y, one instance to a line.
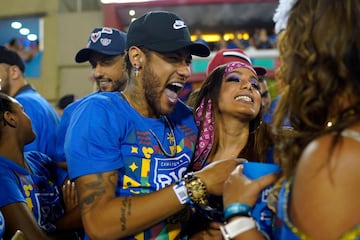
pixel 286 230
pixel 2 225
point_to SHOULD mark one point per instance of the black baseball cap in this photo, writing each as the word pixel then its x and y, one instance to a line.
pixel 105 40
pixel 11 57
pixel 163 31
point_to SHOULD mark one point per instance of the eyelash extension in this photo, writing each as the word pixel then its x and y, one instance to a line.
pixel 254 84
pixel 233 79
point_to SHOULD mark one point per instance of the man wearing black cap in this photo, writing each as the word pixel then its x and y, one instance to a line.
pixel 105 52
pixel 43 116
pixel 130 153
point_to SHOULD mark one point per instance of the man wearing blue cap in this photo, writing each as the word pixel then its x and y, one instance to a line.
pixel 129 153
pixel 105 52
pixel 43 116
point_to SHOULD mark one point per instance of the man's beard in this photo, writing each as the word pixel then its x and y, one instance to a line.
pixel 119 85
pixel 151 84
pixel 5 87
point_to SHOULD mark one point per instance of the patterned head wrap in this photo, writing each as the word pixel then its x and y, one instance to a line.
pixel 234 65
pixel 206 133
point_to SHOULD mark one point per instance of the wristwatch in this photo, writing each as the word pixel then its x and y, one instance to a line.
pixel 196 189
pixel 236 227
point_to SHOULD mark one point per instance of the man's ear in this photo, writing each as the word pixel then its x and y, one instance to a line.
pixel 15 72
pixel 135 56
pixel 10 119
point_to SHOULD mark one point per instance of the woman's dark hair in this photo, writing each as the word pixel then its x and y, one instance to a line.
pixel 5 106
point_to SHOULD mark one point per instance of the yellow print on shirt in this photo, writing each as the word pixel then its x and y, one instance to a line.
pixel 144 171
pixel 28 188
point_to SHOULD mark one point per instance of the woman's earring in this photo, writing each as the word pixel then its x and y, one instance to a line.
pixel 136 70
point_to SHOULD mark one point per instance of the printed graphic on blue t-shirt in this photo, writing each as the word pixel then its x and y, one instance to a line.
pixel 40 189
pixel 149 154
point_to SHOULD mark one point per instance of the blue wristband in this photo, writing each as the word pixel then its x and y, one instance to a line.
pixel 236 209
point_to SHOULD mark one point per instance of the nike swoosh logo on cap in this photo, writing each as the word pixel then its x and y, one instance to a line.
pixel 178 24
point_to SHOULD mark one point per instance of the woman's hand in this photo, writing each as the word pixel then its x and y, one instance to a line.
pixel 71 220
pixel 215 174
pixel 238 188
pixel 69 195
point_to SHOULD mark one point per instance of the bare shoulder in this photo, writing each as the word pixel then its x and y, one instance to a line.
pixel 323 154
pixel 327 176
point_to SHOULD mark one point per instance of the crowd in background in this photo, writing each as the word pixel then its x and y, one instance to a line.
pixel 259 38
pixel 30 53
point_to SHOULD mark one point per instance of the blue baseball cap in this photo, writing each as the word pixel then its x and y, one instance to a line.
pixel 163 31
pixel 105 40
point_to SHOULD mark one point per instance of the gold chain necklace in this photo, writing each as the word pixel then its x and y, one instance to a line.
pixel 171 136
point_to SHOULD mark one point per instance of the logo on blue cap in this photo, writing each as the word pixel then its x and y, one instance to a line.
pixel 107 41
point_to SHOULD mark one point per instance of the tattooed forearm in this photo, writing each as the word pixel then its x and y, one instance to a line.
pixel 90 191
pixel 125 210
pixel 87 201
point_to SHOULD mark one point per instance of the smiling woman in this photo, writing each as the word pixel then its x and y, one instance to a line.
pixel 228 115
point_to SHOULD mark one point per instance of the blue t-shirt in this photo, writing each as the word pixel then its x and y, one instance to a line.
pixel 44 120
pixel 107 134
pixel 40 190
pixel 269 116
pixel 62 128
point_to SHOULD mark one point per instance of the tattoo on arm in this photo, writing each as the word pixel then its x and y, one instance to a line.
pixel 93 190
pixel 125 211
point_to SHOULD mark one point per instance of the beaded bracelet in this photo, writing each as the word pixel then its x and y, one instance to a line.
pixel 236 209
